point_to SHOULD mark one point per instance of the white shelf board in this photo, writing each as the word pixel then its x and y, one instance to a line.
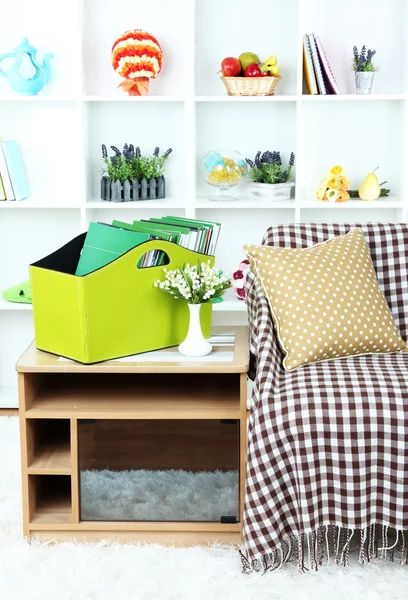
pixel 40 99
pixel 353 203
pixel 230 303
pixel 353 97
pixel 8 396
pixel 244 203
pixel 4 305
pixel 125 98
pixel 24 204
pixel 226 98
pixel 139 204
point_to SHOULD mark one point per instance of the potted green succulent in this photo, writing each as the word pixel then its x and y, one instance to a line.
pixel 268 178
pixel 128 176
pixel 364 69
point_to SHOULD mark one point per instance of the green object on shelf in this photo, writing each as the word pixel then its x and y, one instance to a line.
pixel 104 243
pixel 19 293
pixel 114 311
pixel 384 193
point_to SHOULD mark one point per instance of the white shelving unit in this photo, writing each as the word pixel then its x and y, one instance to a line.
pixel 60 132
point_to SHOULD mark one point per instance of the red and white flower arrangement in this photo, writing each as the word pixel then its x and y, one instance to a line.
pixel 137 57
pixel 239 278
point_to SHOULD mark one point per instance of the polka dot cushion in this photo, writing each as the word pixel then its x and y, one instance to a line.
pixel 325 300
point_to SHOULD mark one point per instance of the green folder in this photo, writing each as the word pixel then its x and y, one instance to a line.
pixel 215 231
pixel 155 257
pixel 181 232
pixel 202 231
pixel 205 242
pixel 193 233
pixel 146 228
pixel 103 244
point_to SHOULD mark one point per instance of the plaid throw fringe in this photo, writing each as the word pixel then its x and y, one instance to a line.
pixel 331 544
pixel 328 442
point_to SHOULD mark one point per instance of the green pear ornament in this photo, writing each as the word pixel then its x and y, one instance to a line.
pixel 370 188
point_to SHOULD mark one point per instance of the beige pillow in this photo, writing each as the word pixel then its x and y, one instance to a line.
pixel 325 300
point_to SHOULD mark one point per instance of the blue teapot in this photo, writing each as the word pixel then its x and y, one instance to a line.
pixel 20 84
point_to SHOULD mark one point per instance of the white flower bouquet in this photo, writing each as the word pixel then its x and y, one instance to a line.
pixel 198 284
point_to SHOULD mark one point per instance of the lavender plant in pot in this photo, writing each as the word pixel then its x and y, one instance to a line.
pixel 364 69
pixel 268 178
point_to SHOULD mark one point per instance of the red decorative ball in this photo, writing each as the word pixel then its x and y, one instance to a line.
pixel 137 54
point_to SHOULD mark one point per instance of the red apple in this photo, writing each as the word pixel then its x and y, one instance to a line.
pixel 252 70
pixel 231 67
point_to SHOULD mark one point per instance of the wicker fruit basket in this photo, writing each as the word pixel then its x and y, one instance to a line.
pixel 251 86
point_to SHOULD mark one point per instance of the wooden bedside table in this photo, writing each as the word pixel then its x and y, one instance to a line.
pixel 155 411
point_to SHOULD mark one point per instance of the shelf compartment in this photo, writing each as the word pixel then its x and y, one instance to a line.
pixel 364 152
pixel 245 132
pixel 50 499
pixel 118 122
pixel 149 470
pixel 103 25
pixel 141 396
pixel 49 445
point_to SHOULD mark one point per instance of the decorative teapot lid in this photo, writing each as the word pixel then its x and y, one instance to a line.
pixel 25 47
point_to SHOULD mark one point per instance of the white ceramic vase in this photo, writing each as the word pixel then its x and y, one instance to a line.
pixel 195 343
pixel 364 82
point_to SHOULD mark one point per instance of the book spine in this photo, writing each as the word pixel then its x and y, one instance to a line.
pixel 326 66
pixel 317 67
pixel 16 169
pixel 308 68
pixel 5 176
pixel 2 192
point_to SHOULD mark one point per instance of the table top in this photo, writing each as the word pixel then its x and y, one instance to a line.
pixel 230 354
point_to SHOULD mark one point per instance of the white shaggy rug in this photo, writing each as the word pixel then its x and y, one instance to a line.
pixel 158 495
pixel 139 572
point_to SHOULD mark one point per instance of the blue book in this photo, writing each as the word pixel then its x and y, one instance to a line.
pixel 16 170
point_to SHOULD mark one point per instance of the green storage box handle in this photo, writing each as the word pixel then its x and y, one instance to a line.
pixel 173 251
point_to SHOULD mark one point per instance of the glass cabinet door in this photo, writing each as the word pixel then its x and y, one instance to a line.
pixel 159 470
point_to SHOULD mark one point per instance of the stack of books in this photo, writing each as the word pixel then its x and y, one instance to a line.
pixel 105 242
pixel 13 178
pixel 318 73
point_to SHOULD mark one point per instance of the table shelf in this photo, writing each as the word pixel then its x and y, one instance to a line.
pixel 143 397
pixel 53 459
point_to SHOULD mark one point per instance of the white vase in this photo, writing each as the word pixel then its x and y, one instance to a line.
pixel 364 82
pixel 195 343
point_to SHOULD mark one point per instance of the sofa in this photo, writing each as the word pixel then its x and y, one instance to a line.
pixel 327 459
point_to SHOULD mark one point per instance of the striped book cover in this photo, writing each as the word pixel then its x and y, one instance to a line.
pixel 316 64
pixel 308 69
pixel 16 170
pixel 5 176
pixel 327 70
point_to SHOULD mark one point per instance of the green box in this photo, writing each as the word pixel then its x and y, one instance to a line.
pixel 114 311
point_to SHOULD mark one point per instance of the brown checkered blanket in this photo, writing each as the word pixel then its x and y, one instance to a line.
pixel 327 470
